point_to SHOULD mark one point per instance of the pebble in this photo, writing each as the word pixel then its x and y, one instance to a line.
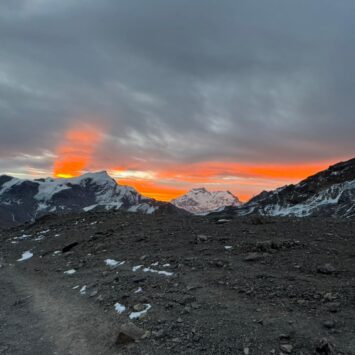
pixel 252 257
pixel 326 269
pixel 202 238
pixel 287 348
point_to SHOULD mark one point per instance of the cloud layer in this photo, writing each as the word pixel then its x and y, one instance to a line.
pixel 178 84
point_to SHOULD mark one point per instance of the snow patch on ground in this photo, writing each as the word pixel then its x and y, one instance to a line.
pixel 137 315
pixel 70 272
pixel 23 236
pixel 165 273
pixel 120 308
pixel 113 263
pixel 26 255
pixel 136 268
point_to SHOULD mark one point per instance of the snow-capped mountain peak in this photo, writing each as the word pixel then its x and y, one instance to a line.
pixel 202 201
pixel 24 200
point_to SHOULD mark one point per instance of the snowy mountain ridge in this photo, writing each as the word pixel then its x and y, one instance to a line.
pixel 329 193
pixel 25 200
pixel 201 201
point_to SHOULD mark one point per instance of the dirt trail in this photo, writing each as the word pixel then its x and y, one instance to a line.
pixel 40 320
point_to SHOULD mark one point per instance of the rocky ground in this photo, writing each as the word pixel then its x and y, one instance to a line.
pixel 125 283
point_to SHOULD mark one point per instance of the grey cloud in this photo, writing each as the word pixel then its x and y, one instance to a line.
pixel 194 80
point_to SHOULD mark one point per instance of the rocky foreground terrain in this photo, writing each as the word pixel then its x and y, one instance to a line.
pixel 128 283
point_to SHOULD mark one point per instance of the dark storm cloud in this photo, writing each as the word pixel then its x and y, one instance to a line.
pixel 183 80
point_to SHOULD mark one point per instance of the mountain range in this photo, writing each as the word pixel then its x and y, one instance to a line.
pixel 25 200
pixel 328 193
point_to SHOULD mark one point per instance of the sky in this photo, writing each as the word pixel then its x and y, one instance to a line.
pixel 238 95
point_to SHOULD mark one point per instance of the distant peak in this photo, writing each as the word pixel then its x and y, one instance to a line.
pixel 199 189
pixel 102 173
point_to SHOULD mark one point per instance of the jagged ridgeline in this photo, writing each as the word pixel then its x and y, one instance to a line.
pixel 25 200
pixel 329 193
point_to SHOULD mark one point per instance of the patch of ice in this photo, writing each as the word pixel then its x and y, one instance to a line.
pixel 92 223
pixel 137 267
pixel 113 263
pixel 70 272
pixel 165 273
pixel 75 287
pixel 227 247
pixel 137 315
pixel 23 236
pixel 57 252
pixel 166 265
pixel 138 290
pixel 120 308
pixel 83 290
pixel 89 208
pixel 25 256
pixel 155 264
pixel 40 237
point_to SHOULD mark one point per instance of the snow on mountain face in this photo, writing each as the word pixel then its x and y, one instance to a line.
pixel 25 200
pixel 328 193
pixel 202 201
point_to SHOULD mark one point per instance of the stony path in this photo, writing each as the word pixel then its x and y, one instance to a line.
pixel 35 320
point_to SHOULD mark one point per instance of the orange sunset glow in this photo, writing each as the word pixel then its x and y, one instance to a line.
pixel 244 180
pixel 75 151
pixel 76 155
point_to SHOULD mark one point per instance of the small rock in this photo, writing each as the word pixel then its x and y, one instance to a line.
pixel 188 299
pixel 179 320
pixel 326 269
pixel 329 297
pixel 93 293
pixel 286 348
pixel 301 302
pixel 333 307
pixel 129 333
pixel 329 324
pixel 202 238
pixel 285 336
pixel 139 307
pixel 69 247
pixel 138 279
pixel 252 257
pixel 246 351
pixel 325 347
pixel 219 263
